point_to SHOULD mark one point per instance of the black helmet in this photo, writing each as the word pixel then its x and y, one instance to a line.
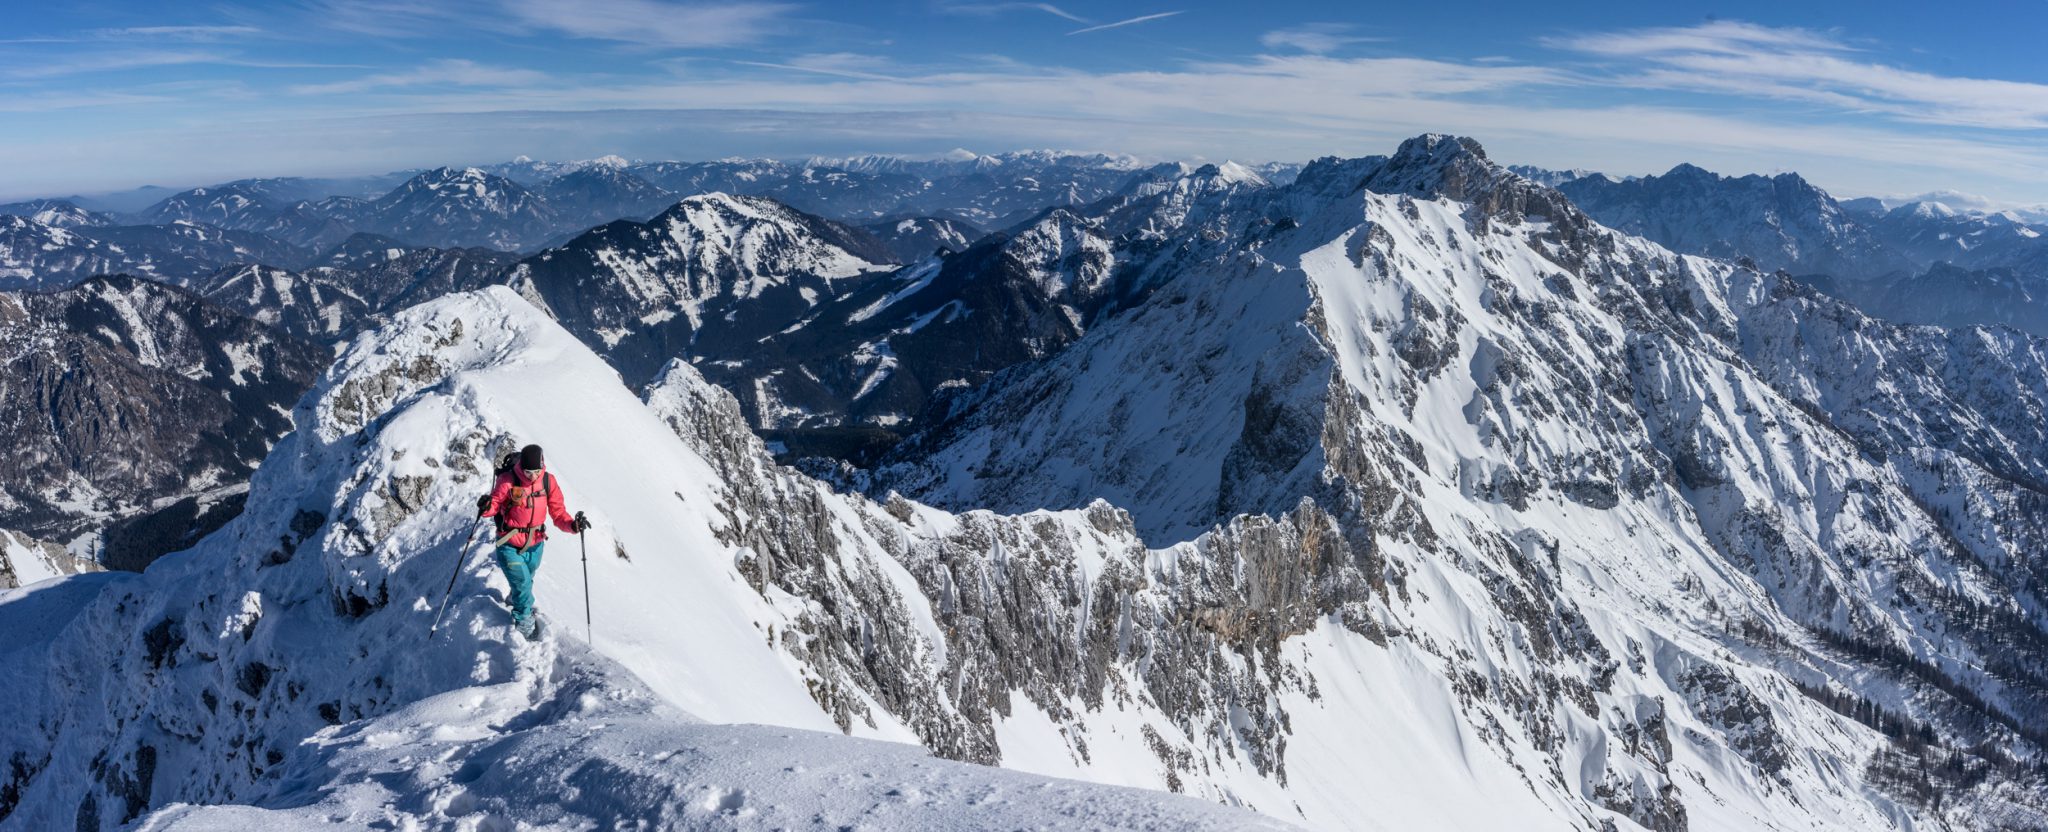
pixel 530 458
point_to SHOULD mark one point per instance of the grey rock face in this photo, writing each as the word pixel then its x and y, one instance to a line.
pixel 1018 611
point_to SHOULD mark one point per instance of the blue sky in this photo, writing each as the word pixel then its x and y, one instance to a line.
pixel 1862 97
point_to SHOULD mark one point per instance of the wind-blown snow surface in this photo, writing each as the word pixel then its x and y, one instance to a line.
pixel 282 663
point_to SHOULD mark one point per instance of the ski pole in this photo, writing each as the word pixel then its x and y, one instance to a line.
pixel 584 541
pixel 461 557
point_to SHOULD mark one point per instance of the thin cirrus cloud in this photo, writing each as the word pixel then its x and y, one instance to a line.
pixel 840 64
pixel 1314 38
pixel 649 23
pixel 189 34
pixel 459 73
pixel 999 8
pixel 1799 65
pixel 1143 18
pixel 110 62
pixel 655 23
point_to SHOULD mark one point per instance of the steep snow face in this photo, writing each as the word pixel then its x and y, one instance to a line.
pixel 259 667
pixel 1714 490
pixel 1067 257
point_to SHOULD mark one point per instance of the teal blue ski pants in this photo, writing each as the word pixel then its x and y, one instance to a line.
pixel 519 569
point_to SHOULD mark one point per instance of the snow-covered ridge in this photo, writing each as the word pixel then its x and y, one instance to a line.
pixel 1470 372
pixel 264 657
pixel 1487 517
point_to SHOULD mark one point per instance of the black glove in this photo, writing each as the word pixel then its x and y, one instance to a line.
pixel 581 523
pixel 483 505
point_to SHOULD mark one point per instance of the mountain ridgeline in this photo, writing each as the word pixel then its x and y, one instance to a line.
pixel 1403 491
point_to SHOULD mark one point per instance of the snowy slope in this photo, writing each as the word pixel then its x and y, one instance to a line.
pixel 208 673
pixel 25 560
pixel 1663 487
pixel 1549 528
pixel 1268 664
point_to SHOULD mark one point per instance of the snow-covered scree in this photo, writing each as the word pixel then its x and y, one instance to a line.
pixel 282 663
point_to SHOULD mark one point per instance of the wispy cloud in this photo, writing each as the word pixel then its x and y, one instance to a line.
pixel 652 22
pixel 841 64
pixel 461 73
pixel 1728 37
pixel 109 62
pixel 1314 38
pixel 1800 65
pixel 195 34
pixel 1126 22
pixel 177 32
pixel 999 8
pixel 656 23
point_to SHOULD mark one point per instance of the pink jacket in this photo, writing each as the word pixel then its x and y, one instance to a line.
pixel 516 502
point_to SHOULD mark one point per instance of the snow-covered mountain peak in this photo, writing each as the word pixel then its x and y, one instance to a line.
pixel 1232 173
pixel 57 213
pixel 642 292
pixel 1928 210
pixel 1688 170
pixel 1456 168
pixel 1459 382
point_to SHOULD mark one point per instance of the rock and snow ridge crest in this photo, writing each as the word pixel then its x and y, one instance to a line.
pixel 258 668
pixel 1502 394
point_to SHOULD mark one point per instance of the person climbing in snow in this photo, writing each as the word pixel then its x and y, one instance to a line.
pixel 522 500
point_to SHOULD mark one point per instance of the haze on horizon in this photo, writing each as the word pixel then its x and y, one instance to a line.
pixel 1863 99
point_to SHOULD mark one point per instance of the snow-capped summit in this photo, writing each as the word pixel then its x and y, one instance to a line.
pixel 1476 391
pixel 455 207
pixel 643 292
pixel 57 213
